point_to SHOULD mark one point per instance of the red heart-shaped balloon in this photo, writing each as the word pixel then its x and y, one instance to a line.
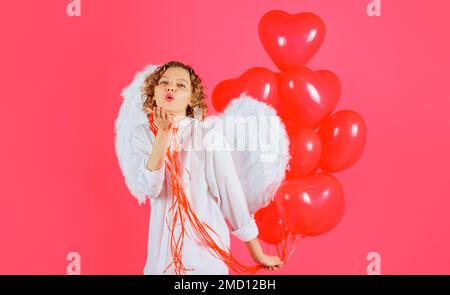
pixel 343 136
pixel 305 149
pixel 272 228
pixel 311 205
pixel 259 83
pixel 291 40
pixel 307 97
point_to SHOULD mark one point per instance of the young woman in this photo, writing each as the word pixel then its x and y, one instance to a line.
pixel 175 104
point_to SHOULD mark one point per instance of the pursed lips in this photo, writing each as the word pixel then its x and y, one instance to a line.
pixel 170 97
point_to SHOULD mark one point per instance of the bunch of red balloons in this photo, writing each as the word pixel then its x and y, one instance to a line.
pixel 310 201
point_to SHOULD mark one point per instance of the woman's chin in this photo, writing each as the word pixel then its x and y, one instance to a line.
pixel 169 109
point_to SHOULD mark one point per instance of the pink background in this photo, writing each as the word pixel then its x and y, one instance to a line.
pixel 62 189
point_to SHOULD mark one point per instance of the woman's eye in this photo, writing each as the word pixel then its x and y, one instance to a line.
pixel 162 82
pixel 181 85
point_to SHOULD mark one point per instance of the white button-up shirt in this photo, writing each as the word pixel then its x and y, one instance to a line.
pixel 213 190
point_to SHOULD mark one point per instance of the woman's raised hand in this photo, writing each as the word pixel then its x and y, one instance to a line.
pixel 162 119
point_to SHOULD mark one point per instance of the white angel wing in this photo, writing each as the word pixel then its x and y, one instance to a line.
pixel 130 116
pixel 260 147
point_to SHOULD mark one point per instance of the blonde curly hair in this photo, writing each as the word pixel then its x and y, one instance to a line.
pixel 198 90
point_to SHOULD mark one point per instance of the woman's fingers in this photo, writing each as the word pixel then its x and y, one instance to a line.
pixel 166 118
pixel 163 118
pixel 170 121
pixel 274 265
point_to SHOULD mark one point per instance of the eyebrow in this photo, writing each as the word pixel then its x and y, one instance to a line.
pixel 177 79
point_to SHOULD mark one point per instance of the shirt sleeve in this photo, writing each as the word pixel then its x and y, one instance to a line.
pixel 224 184
pixel 147 181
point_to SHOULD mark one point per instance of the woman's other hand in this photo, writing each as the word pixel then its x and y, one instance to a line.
pixel 270 262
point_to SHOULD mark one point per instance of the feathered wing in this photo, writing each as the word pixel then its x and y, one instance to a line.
pixel 129 117
pixel 260 147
